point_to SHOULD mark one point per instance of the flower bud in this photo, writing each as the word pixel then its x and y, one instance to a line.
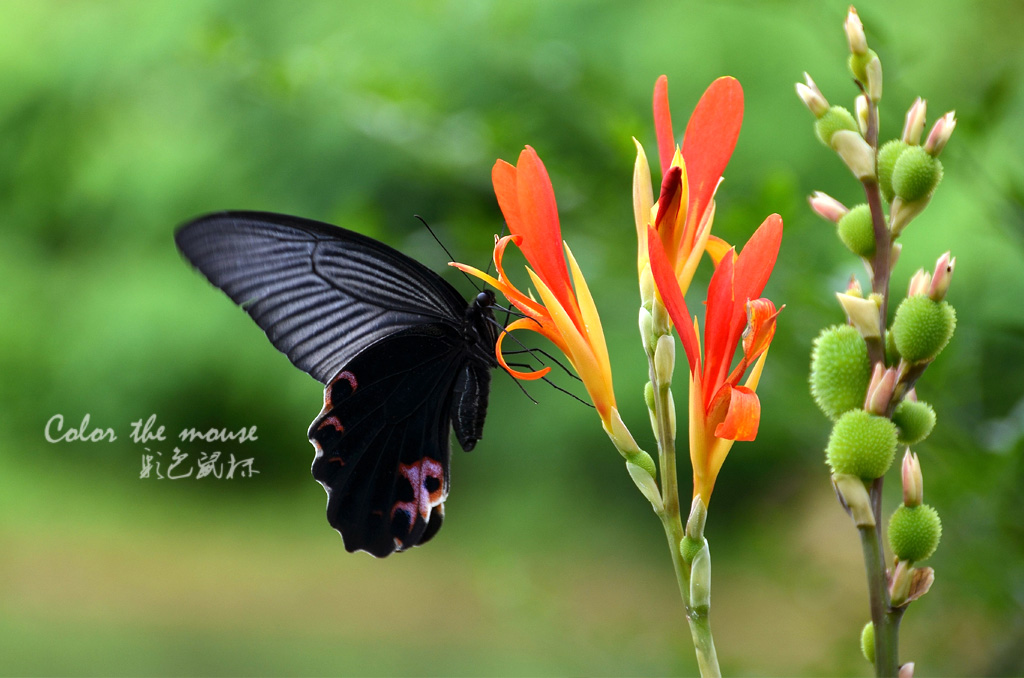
pixel 855 152
pixel 644 481
pixel 697 519
pixel 812 97
pixel 840 370
pixel 854 498
pixel 914 123
pixel 665 359
pixel 873 72
pixel 904 211
pixel 941 278
pixel 647 287
pixel 862 444
pixel 826 206
pixel 883 384
pixel 887 156
pixel 646 323
pixel 913 480
pixel 914 533
pixel 649 395
pixel 906 670
pixel 894 255
pixel 916 174
pixel 867 642
pixel 922 327
pixel 700 580
pixel 855 33
pixel 863 314
pixel 919 283
pixel 662 321
pixel 940 134
pixel 857 231
pixel 623 439
pixel 671 415
pixel 900 580
pixel 835 119
pixel 914 421
pixel 862 111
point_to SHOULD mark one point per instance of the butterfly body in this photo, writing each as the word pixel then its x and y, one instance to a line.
pixel 403 357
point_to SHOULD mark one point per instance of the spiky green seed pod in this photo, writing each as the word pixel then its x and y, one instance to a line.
pixel 892 354
pixel 867 642
pixel 888 154
pixel 914 421
pixel 922 327
pixel 862 444
pixel 915 174
pixel 858 64
pixel 835 119
pixel 914 533
pixel 857 232
pixel 840 370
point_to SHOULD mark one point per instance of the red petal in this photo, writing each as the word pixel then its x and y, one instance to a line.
pixel 503 176
pixel 718 349
pixel 756 261
pixel 672 297
pixel 760 330
pixel 538 224
pixel 663 124
pixel 710 139
pixel 743 416
pixel 670 210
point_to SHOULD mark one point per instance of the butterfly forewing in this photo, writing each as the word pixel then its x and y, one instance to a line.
pixel 321 293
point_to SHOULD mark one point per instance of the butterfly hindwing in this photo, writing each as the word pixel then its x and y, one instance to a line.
pixel 382 440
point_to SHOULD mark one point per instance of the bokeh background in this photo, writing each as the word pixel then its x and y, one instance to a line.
pixel 121 120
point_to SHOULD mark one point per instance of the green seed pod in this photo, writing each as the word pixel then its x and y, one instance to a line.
pixel 892 354
pixel 887 156
pixel 867 642
pixel 840 370
pixel 922 327
pixel 915 174
pixel 862 444
pixel 914 421
pixel 857 232
pixel 649 396
pixel 914 533
pixel 858 64
pixel 835 119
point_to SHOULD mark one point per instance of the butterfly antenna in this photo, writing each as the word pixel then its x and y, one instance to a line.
pixel 521 387
pixel 569 393
pixel 450 257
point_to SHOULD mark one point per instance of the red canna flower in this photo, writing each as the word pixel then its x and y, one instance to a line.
pixel 685 208
pixel 722 410
pixel 566 313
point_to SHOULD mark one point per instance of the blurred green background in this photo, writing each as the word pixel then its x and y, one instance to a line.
pixel 121 120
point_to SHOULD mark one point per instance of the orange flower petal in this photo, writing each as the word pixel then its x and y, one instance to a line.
pixel 710 138
pixel 761 315
pixel 521 324
pixel 672 297
pixel 742 415
pixel 663 124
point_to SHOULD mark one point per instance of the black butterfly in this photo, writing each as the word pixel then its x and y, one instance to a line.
pixel 402 355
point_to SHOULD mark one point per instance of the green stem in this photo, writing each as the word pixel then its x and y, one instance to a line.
pixel 671 520
pixel 885 619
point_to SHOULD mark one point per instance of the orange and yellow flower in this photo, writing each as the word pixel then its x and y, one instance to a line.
pixel 565 313
pixel 722 410
pixel 685 208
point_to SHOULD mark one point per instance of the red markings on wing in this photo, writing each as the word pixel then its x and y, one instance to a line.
pixel 426 477
pixel 341 462
pixel 331 421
